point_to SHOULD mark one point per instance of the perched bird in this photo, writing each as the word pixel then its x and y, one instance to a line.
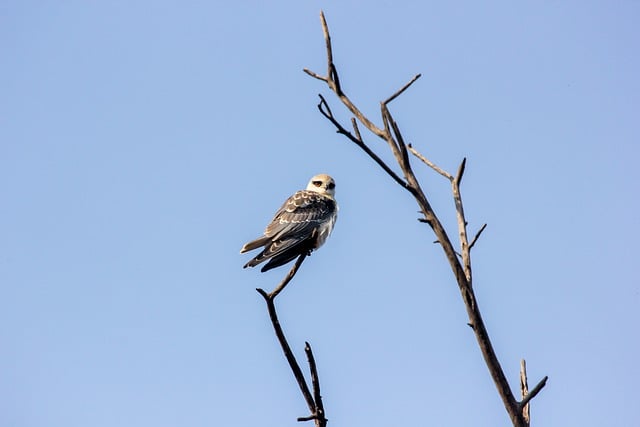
pixel 301 225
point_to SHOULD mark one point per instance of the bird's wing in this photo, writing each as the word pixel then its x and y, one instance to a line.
pixel 295 223
pixel 281 252
pixel 294 229
pixel 300 215
pixel 303 218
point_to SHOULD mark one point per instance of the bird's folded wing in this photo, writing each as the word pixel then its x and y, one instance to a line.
pixel 300 215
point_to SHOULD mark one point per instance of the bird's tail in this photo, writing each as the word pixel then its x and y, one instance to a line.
pixel 255 244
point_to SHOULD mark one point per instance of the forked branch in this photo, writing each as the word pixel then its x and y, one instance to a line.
pixel 460 265
pixel 324 109
pixel 314 401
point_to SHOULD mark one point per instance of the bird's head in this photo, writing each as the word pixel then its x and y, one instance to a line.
pixel 322 184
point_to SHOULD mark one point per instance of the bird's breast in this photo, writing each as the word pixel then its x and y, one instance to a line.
pixel 324 230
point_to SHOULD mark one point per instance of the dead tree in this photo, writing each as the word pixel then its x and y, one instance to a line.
pixel 460 262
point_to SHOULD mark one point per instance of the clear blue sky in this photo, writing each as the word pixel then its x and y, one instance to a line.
pixel 142 143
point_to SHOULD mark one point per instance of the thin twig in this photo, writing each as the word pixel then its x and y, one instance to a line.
pixel 327 41
pixel 437 241
pixel 354 123
pixel 289 276
pixel 334 80
pixel 405 87
pixel 430 163
pixel 534 392
pixel 460 171
pixel 475 238
pixel 315 382
pixel 314 75
pixel 404 156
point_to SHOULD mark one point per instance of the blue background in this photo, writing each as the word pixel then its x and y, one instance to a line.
pixel 142 143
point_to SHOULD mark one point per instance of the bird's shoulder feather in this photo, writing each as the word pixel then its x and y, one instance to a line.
pixel 301 209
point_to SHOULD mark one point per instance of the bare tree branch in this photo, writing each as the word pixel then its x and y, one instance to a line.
pixel 314 75
pixel 475 238
pixel 324 109
pixel 534 391
pixel 354 123
pixel 315 406
pixel 393 144
pixel 461 171
pixel 524 390
pixel 315 382
pixel 289 276
pixel 461 268
pixel 293 363
pixel 330 68
pixel 462 222
pixel 334 82
pixel 402 89
pixel 404 155
pixel 430 163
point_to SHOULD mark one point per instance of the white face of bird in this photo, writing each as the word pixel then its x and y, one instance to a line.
pixel 322 184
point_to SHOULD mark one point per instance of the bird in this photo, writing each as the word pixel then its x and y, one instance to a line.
pixel 300 226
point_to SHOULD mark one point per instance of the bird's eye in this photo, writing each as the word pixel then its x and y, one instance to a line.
pixel 331 186
pixel 317 183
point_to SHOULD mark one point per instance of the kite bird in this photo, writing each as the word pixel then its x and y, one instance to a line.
pixel 300 226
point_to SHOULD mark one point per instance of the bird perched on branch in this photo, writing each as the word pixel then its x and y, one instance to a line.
pixel 301 225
